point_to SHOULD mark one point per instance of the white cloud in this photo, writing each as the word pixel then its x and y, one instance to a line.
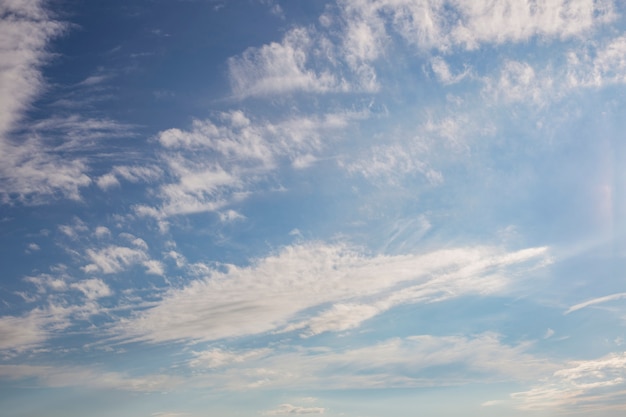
pixel 339 56
pixel 433 140
pixel 231 216
pixel 280 67
pixel 217 161
pixel 31 174
pixel 303 161
pixel 217 358
pixel 43 282
pixel 393 163
pixel 94 80
pixel 19 333
pixel 598 66
pixel 79 132
pixel 102 232
pixel 517 21
pixel 136 241
pixel 414 361
pixel 57 376
pixel 594 66
pixel 113 259
pixel 25 32
pixel 33 247
pixel 75 229
pixel 584 386
pixel 519 82
pixel 267 296
pixel 442 71
pixel 92 288
pixel 338 318
pixel 30 169
pixel 594 301
pixel 444 24
pixel 178 258
pixel 133 174
pixel 36 159
pixel 154 267
pixel 288 409
pixel 107 181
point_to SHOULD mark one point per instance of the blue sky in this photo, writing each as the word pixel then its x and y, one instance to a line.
pixel 355 208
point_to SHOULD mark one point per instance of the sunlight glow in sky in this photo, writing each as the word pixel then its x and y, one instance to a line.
pixel 356 208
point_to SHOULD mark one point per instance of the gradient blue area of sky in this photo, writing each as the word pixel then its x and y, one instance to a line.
pixel 354 208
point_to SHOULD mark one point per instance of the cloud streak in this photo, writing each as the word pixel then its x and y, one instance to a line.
pixel 343 288
pixel 414 361
pixel 595 301
pixel 594 385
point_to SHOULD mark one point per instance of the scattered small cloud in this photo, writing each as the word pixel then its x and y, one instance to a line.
pixel 32 247
pixel 93 288
pixel 549 333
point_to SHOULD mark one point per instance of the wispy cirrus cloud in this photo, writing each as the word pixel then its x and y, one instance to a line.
pixel 132 174
pixel 92 377
pixel 19 333
pixel 27 170
pixel 35 165
pixel 27 28
pixel 35 328
pixel 344 288
pixel 413 361
pixel 593 385
pixel 596 301
pixel 217 358
pixel 80 133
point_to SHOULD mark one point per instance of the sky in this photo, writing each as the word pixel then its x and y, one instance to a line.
pixel 354 208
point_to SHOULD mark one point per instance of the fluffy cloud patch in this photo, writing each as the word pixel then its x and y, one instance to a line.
pixel 113 259
pixel 444 24
pixel 93 288
pixel 217 161
pixel 280 67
